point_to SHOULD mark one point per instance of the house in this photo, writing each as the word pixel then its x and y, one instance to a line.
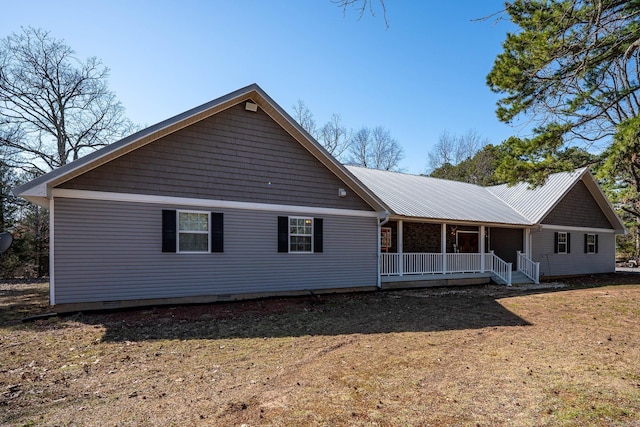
pixel 233 199
pixel 565 227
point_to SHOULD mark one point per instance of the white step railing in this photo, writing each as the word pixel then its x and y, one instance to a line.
pixel 499 267
pixel 530 268
pixel 393 264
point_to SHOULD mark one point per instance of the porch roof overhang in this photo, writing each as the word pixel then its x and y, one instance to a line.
pixel 404 218
pixel 422 198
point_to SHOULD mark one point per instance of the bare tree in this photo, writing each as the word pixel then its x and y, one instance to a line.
pixel 362 6
pixel 375 149
pixel 54 107
pixel 443 152
pixel 304 117
pixel 335 137
pixel 453 149
pixel 360 148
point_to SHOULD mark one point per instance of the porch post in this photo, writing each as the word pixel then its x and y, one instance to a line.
pixel 443 246
pixel 400 239
pixel 527 242
pixel 482 229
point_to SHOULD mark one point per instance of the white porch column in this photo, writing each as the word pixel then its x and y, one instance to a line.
pixel 482 230
pixel 443 246
pixel 527 242
pixel 400 239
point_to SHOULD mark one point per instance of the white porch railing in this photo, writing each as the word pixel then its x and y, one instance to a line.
pixel 394 264
pixel 464 263
pixel 419 263
pixel 390 265
pixel 529 268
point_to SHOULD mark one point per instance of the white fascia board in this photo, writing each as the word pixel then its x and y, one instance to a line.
pixel 583 229
pixel 206 203
pixel 39 190
pixel 37 194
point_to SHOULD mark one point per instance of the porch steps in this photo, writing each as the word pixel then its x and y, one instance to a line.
pixel 517 278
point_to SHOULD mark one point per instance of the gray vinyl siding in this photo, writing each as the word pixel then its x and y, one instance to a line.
pixel 578 209
pixel 107 251
pixel 576 262
pixel 234 155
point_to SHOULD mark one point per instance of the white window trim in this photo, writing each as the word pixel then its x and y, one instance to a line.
pixel 304 235
pixel 566 237
pixel 593 245
pixel 208 232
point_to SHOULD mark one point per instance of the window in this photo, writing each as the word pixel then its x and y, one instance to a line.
pixel 562 242
pixel 591 243
pixel 300 234
pixel 192 231
pixel 385 238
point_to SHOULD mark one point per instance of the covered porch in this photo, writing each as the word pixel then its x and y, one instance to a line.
pixel 414 251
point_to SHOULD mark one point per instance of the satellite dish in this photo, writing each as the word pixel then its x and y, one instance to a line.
pixel 5 241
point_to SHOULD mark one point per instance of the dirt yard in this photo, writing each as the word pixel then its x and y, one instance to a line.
pixel 563 355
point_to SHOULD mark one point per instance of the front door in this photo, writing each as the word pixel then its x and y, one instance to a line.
pixel 467 242
pixel 506 242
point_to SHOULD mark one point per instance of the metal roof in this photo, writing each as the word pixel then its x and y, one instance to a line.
pixel 535 203
pixel 425 197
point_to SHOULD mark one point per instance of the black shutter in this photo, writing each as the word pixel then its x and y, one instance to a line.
pixel 596 243
pixel 555 242
pixel 317 235
pixel 217 232
pixel 568 243
pixel 283 234
pixel 168 230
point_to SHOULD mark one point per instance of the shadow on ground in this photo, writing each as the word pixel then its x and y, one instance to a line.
pixel 375 313
pixel 425 310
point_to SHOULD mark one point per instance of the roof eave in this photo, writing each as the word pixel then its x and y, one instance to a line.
pixel 603 202
pixel 409 218
pixel 568 188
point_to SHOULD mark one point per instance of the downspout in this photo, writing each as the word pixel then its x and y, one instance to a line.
pixel 52 244
pixel 385 218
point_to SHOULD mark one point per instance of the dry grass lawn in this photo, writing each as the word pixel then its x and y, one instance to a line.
pixel 459 356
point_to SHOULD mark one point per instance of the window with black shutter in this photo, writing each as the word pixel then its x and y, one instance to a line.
pixel 300 234
pixel 562 242
pixel 188 231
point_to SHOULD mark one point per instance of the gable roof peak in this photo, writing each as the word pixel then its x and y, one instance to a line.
pixel 39 189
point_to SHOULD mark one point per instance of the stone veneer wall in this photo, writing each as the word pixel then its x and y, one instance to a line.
pixel 421 237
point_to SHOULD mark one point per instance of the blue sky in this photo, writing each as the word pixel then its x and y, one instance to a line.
pixel 421 77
